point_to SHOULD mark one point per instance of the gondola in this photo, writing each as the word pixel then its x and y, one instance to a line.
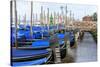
pixel 32 43
pixel 30 57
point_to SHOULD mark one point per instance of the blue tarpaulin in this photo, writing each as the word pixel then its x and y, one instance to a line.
pixel 28 63
pixel 40 44
pixel 25 53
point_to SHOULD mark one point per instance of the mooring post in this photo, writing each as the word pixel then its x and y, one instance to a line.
pixel 25 21
pixel 42 20
pixel 19 20
pixel 56 50
pixel 54 20
pixel 36 18
pixel 16 42
pixel 70 15
pixel 48 21
pixel 11 17
pixel 31 33
pixel 58 21
pixel 67 42
pixel 76 39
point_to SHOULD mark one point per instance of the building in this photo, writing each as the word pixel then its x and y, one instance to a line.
pixel 87 18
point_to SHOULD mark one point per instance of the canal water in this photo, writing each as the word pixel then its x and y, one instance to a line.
pixel 86 51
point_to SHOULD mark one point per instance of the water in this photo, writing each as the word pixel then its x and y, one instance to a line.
pixel 86 51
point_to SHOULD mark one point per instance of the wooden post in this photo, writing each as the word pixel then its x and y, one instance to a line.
pixel 25 21
pixel 66 18
pixel 66 38
pixel 76 39
pixel 11 18
pixel 54 20
pixel 75 45
pixel 70 15
pixel 58 21
pixel 48 18
pixel 33 20
pixel 62 14
pixel 67 45
pixel 73 16
pixel 56 50
pixel 31 33
pixel 42 20
pixel 11 11
pixel 16 45
pixel 36 17
pixel 41 15
pixel 19 20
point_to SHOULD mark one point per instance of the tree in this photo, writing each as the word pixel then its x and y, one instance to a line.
pixel 94 16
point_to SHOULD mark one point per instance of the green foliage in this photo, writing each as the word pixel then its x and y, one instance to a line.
pixel 94 16
pixel 51 20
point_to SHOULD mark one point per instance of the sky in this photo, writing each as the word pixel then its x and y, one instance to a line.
pixel 79 10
